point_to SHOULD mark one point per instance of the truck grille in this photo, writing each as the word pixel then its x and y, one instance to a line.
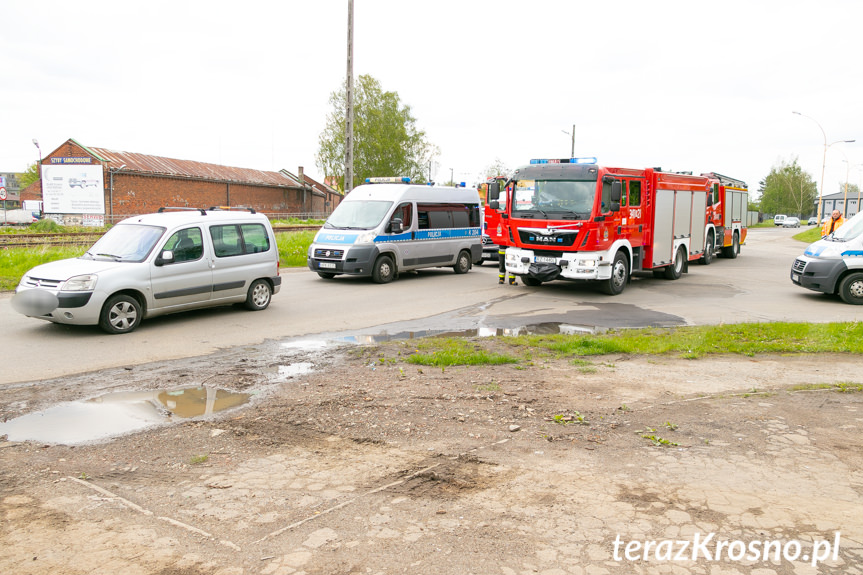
pixel 799 266
pixel 329 254
pixel 551 239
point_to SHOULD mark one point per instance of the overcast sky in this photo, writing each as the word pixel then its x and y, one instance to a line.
pixel 685 85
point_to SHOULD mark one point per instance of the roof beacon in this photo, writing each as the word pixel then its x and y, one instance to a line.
pixel 402 180
pixel 585 160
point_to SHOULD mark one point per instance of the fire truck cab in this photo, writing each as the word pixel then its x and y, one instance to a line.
pixel 566 219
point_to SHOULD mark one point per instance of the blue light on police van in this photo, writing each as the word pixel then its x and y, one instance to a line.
pixel 389 180
pixel 584 160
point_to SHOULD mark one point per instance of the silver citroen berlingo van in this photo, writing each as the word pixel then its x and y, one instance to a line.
pixel 174 260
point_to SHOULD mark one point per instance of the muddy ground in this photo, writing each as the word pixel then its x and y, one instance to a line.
pixel 370 464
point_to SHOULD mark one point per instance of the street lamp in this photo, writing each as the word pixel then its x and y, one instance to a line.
pixel 847 175
pixel 824 158
pixel 572 134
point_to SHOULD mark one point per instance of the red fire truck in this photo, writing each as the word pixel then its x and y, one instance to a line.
pixel 566 219
pixel 726 217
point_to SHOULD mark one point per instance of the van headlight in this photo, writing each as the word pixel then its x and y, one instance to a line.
pixel 80 283
pixel 366 238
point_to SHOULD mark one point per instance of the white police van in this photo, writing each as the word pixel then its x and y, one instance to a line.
pixel 834 264
pixel 383 228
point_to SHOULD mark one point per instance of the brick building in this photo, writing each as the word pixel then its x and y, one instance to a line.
pixel 133 183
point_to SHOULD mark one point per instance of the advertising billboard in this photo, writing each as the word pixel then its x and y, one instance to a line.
pixel 73 186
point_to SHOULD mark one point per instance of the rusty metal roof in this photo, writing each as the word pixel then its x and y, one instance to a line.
pixel 157 165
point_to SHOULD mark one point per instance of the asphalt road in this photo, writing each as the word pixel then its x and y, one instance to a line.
pixel 753 287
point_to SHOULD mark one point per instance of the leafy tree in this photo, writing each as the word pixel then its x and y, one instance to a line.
pixel 30 175
pixel 787 189
pixel 496 168
pixel 387 141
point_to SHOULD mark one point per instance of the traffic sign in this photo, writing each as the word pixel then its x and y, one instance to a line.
pixel 2 193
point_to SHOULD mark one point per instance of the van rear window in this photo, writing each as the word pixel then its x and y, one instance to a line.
pixel 235 240
pixel 442 216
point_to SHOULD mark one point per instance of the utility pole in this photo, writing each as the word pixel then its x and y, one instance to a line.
pixel 349 104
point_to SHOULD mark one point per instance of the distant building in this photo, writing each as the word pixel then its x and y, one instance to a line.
pixel 87 185
pixel 836 201
pixel 9 181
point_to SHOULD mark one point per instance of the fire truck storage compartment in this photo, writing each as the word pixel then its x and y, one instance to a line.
pixel 737 213
pixel 673 221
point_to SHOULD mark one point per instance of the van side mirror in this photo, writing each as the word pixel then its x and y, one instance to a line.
pixel 166 257
pixel 396 226
pixel 615 193
pixel 493 193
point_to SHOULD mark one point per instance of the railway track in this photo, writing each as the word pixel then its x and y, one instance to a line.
pixel 88 238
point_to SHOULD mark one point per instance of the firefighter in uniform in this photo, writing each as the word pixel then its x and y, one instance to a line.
pixel 502 275
pixel 832 224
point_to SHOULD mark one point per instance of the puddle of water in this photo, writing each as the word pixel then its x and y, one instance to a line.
pixel 306 344
pixel 117 413
pixel 286 372
pixel 535 329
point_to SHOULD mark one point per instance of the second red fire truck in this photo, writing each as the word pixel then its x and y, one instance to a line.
pixel 564 219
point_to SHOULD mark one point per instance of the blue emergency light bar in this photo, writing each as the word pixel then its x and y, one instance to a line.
pixel 396 180
pixel 584 160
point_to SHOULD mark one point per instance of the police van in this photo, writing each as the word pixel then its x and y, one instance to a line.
pixel 834 264
pixel 388 226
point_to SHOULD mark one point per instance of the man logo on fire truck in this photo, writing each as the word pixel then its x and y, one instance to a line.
pixel 572 219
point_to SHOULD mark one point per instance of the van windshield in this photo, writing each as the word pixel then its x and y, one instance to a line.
pixel 849 230
pixel 127 243
pixel 359 215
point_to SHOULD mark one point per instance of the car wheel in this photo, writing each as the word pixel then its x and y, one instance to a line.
pixel 120 314
pixel 384 270
pixel 259 296
pixel 462 264
pixel 851 288
pixel 675 270
pixel 709 251
pixel 619 275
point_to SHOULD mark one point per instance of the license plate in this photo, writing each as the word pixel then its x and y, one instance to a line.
pixel 327 265
pixel 795 278
pixel 544 260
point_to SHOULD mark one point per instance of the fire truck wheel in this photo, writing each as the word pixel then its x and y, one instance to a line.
pixel 735 246
pixel 384 270
pixel 731 251
pixel 619 275
pixel 709 251
pixel 851 288
pixel 674 271
pixel 462 264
